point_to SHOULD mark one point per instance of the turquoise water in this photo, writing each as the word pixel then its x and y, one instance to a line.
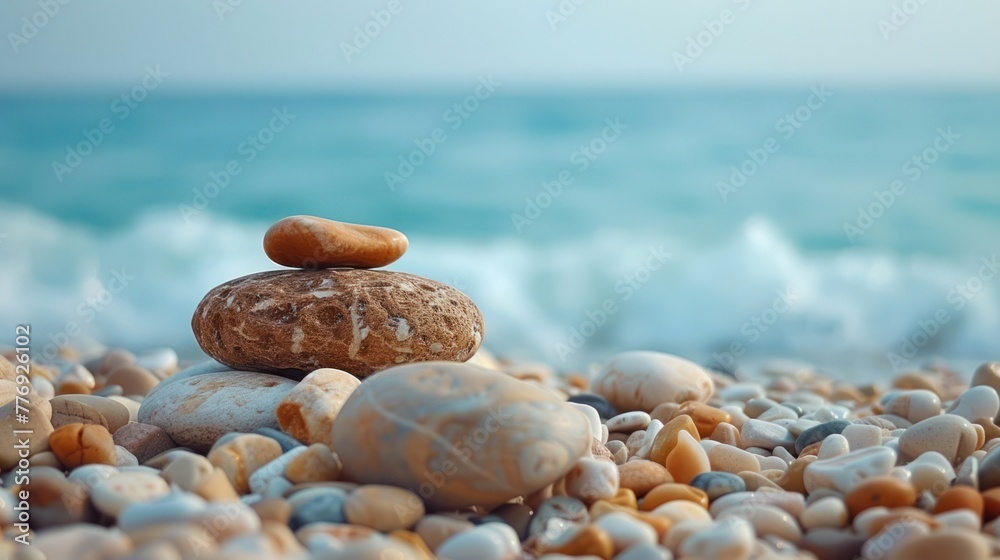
pixel 543 209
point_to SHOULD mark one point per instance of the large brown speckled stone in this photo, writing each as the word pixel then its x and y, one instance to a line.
pixel 310 242
pixel 457 434
pixel 359 321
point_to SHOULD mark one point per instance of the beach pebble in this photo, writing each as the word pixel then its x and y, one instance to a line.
pixel 930 471
pixel 844 472
pixel 436 529
pixel 113 495
pixel 718 484
pixel 768 521
pixel 880 491
pixel 818 433
pixel 757 433
pixel 53 499
pixel 706 418
pixel 316 464
pixel 262 477
pixel 73 412
pixel 286 441
pixel 81 444
pixel 144 441
pixel 114 412
pixel 792 502
pixel 976 402
pixel 727 458
pixel 133 379
pixel 587 540
pixel 38 422
pixel 318 505
pixel 834 445
pixel 490 541
pixel 308 411
pixel 81 541
pixel 915 405
pixel 242 455
pixel 944 543
pixel 687 459
pixel 524 438
pixel 948 434
pixel 666 437
pixel 641 380
pixel 187 470
pixel 171 507
pixel 641 476
pixel 989 469
pixel 829 512
pixel 862 435
pixel 732 539
pixel 670 492
pixel 625 530
pixel 628 422
pixel 680 510
pixel 987 375
pixel 960 497
pixel 968 473
pixel 592 479
pixel 198 410
pixel 311 242
pixel 604 408
pixel 383 508
pixel 359 321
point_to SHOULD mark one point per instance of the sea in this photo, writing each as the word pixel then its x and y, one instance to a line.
pixel 852 229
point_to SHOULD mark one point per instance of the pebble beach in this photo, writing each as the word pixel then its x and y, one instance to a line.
pixel 352 412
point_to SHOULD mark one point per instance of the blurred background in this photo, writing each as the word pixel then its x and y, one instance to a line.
pixel 726 180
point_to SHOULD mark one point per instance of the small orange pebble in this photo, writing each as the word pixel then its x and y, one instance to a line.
pixel 666 438
pixel 670 492
pixel 960 497
pixel 72 388
pixel 792 481
pixel 687 459
pixel 625 497
pixel 641 476
pixel 589 540
pixel 83 444
pixel 903 514
pixel 885 491
pixel 705 417
pixel 728 434
pixel 991 504
pixel 312 242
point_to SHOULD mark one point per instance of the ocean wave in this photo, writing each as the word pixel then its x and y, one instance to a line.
pixel 568 303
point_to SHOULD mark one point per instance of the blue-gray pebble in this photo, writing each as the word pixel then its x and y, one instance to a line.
pixel 717 484
pixel 819 433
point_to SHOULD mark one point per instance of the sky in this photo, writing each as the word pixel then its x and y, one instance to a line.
pixel 529 44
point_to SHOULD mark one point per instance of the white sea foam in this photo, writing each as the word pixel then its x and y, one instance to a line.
pixel 848 309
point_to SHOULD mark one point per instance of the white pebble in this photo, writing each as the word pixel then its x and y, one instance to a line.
pixel 834 445
pixel 625 530
pixel 628 422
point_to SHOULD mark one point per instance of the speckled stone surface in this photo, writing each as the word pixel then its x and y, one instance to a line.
pixel 197 411
pixel 641 380
pixel 457 434
pixel 359 321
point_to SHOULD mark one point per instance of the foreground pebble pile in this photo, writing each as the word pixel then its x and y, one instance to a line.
pixel 648 457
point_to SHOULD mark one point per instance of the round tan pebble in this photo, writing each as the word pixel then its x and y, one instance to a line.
pixel 277 510
pixel 945 543
pixel 687 459
pixel 315 464
pixel 414 541
pixel 38 422
pixel 114 358
pixel 948 434
pixel 959 497
pixel 308 411
pixel 666 438
pixel 587 540
pixel 726 458
pixel 664 411
pixel 641 380
pixel 240 456
pixel 217 488
pixel 670 492
pixel 310 242
pixel 435 529
pixel 757 481
pixel 121 490
pixel 885 491
pixel 706 418
pixel 360 321
pixel 115 413
pixel 641 476
pixel 728 434
pixel 792 480
pixel 383 508
pixel 73 412
pixel 187 470
pixel 145 441
pixel 917 380
pixel 133 379
pixel 830 512
pixel 83 444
